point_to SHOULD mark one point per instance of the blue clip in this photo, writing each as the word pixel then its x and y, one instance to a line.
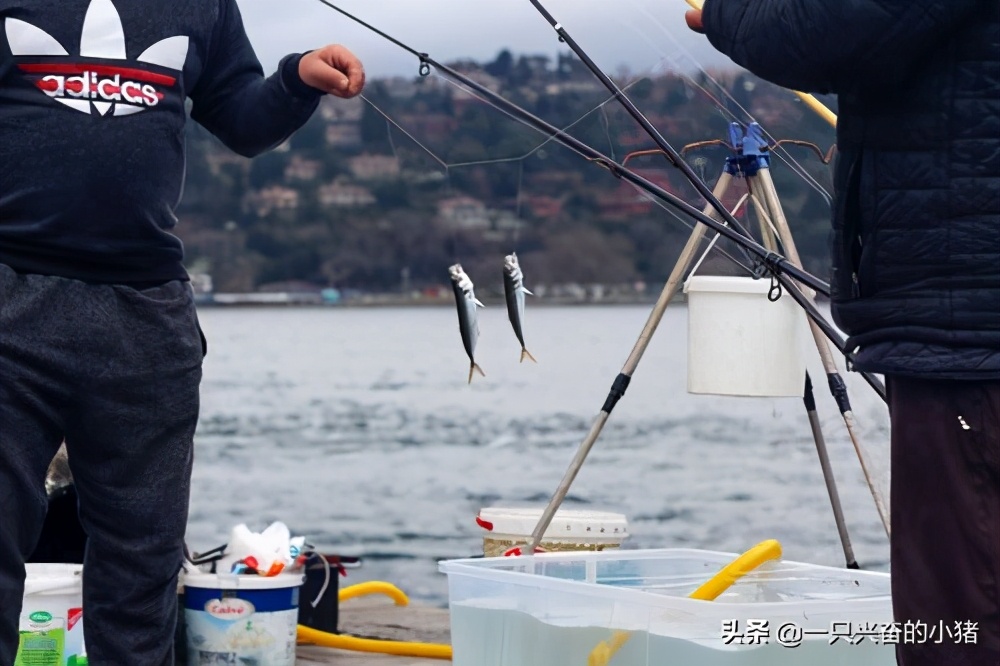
pixel 752 153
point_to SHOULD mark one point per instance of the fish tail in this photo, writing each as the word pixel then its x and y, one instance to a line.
pixel 475 368
pixel 527 354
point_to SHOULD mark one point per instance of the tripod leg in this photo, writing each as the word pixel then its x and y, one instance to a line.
pixel 763 182
pixel 621 382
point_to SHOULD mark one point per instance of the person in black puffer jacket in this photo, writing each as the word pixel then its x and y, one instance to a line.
pixel 916 270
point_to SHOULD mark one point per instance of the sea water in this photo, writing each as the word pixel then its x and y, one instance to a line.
pixel 492 637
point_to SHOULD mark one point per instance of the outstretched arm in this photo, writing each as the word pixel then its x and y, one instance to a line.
pixel 830 45
pixel 250 113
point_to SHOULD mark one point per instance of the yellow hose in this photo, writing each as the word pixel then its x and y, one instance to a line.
pixel 817 106
pixel 741 566
pixel 398 648
pixel 355 644
pixel 719 583
pixel 374 587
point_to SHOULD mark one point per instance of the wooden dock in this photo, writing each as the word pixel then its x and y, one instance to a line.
pixel 379 618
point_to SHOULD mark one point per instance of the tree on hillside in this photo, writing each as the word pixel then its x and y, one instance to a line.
pixel 502 67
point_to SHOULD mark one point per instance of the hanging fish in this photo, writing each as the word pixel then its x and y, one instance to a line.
pixel 514 291
pixel 468 321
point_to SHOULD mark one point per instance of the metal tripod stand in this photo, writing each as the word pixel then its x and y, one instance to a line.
pixel 752 162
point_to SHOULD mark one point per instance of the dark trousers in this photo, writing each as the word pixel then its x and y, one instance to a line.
pixel 945 499
pixel 115 372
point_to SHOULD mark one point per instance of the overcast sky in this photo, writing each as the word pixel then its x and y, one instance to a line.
pixel 640 34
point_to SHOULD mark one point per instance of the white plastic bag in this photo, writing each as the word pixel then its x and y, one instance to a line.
pixel 268 552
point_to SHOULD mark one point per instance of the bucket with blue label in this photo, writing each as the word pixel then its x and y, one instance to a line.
pixel 241 619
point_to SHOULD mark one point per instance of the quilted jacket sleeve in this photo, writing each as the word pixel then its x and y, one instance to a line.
pixel 831 46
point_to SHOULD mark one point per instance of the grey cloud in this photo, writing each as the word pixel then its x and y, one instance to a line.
pixel 641 34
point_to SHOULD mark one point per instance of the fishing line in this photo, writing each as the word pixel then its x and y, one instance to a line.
pixel 707 250
pixel 774 263
pixel 653 133
pixel 781 153
pixel 673 64
pixel 783 272
pixel 687 223
pixel 782 269
pixel 606 124
pixel 548 137
pixel 776 146
pixel 779 282
pixel 412 138
pixel 838 388
pixel 444 163
pixel 768 261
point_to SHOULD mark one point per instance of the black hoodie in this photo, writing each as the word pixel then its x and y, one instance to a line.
pixel 92 97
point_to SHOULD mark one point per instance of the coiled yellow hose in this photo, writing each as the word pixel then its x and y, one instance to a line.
pixel 355 644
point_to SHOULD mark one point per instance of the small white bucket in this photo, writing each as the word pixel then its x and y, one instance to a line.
pixel 570 529
pixel 241 618
pixel 51 622
pixel 739 342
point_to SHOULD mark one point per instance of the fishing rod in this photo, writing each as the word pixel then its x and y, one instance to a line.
pixel 753 153
pixel 782 271
pixel 778 266
pixel 672 156
pixel 769 262
pixel 675 158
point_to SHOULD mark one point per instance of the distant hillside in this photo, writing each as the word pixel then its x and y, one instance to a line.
pixel 383 194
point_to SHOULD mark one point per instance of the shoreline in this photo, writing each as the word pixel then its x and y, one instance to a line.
pixel 397 300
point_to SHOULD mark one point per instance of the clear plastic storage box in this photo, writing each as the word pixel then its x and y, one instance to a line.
pixel 556 609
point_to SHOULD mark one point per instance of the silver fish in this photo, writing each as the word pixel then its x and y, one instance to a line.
pixel 514 291
pixel 59 477
pixel 468 322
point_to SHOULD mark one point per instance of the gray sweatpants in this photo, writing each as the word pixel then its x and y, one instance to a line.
pixel 115 372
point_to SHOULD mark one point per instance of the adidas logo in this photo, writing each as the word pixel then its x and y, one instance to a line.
pixel 92 87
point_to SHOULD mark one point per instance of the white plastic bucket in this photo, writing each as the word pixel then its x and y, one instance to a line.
pixel 739 342
pixel 51 622
pixel 241 618
pixel 569 530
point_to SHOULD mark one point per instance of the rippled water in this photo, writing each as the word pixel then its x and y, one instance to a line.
pixel 356 427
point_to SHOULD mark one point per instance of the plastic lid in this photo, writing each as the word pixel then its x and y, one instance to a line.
pixel 220 581
pixel 52 578
pixel 567 523
pixel 727 283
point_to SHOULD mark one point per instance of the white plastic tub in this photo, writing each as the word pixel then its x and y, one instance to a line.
pixel 241 618
pixel 739 342
pixel 51 622
pixel 555 608
pixel 570 529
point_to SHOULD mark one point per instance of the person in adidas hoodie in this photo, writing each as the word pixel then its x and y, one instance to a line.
pixel 99 339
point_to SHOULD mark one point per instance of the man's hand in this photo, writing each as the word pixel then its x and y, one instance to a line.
pixel 334 70
pixel 693 18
